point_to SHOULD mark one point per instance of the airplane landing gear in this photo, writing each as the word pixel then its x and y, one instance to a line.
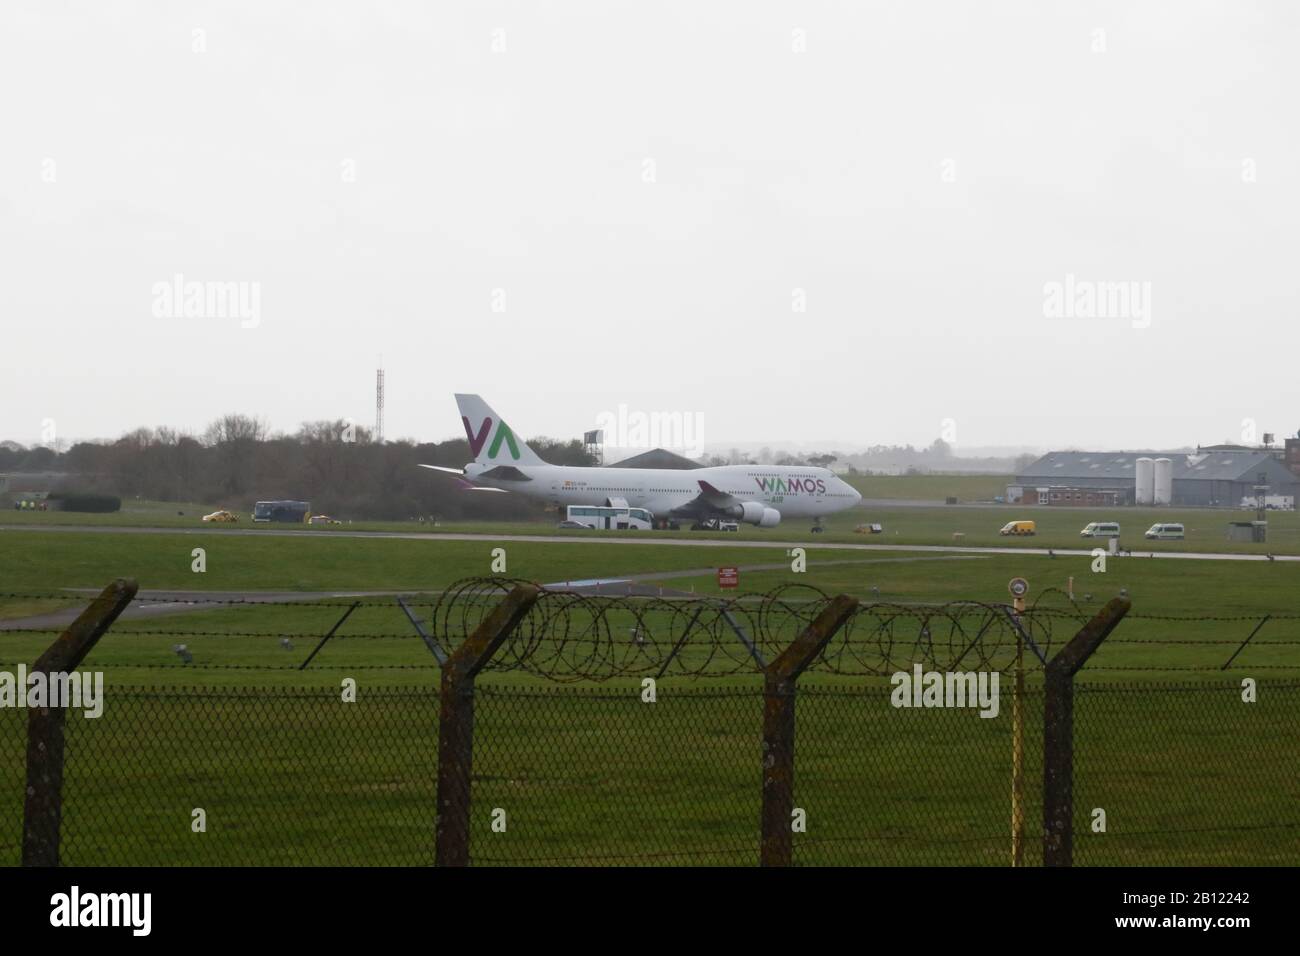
pixel 817 526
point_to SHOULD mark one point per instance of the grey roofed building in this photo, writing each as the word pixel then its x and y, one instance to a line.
pixel 657 458
pixel 1201 478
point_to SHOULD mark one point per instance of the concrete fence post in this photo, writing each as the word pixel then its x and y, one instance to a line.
pixel 779 679
pixel 43 806
pixel 1058 732
pixel 456 722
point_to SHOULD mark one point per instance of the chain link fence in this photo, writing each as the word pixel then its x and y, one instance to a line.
pixel 893 786
pixel 1187 774
pixel 13 781
pixel 605 776
pixel 664 759
pixel 241 777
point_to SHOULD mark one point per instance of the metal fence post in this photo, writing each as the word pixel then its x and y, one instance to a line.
pixel 43 806
pixel 779 679
pixel 456 722
pixel 1058 732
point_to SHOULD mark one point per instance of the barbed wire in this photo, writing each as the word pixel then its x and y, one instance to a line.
pixel 572 635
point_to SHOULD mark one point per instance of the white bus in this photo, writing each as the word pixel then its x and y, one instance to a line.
pixel 604 518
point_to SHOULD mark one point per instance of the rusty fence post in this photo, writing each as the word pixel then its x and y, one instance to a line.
pixel 779 679
pixel 456 722
pixel 1058 731
pixel 43 806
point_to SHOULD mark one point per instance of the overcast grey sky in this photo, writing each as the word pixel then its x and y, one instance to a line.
pixel 798 221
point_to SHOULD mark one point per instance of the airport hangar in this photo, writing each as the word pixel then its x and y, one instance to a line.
pixel 1206 478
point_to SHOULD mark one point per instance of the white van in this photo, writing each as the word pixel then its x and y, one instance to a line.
pixel 1100 529
pixel 1165 532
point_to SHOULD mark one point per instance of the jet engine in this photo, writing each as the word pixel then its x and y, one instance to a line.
pixel 753 512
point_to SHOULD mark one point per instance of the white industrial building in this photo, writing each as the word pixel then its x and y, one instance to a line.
pixel 1205 478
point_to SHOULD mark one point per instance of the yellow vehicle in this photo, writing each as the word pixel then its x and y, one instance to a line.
pixel 323 519
pixel 1019 528
pixel 873 528
pixel 221 517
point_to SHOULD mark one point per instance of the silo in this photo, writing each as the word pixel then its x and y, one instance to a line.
pixel 1145 477
pixel 1162 491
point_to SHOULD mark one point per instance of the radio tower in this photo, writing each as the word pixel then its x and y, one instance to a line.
pixel 379 405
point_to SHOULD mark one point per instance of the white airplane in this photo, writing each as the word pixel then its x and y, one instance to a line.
pixel 758 494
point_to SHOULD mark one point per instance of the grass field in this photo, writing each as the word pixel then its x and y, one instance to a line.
pixel 379 638
pixel 904 523
pixel 596 776
pixel 182 514
pixel 289 774
pixel 931 487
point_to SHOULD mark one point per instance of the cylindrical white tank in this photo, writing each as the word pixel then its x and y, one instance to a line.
pixel 1162 488
pixel 1145 477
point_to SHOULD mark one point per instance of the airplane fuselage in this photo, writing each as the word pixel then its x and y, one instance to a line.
pixel 794 491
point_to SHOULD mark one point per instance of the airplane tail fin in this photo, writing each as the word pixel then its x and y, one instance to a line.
pixel 491 440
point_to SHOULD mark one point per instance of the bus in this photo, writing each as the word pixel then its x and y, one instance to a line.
pixel 604 518
pixel 294 511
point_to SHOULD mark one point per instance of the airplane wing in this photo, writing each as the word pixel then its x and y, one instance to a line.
pixel 716 498
pixel 709 502
pixel 464 485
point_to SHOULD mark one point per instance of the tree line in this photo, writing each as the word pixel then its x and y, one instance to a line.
pixel 237 460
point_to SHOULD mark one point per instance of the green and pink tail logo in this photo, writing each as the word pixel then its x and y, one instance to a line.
pixel 503 434
pixel 488 433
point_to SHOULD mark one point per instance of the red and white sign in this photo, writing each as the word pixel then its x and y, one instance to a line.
pixel 728 577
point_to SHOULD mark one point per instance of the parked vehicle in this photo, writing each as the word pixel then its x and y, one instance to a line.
pixel 1167 531
pixel 1271 503
pixel 873 528
pixel 1100 529
pixel 574 524
pixel 323 519
pixel 221 517
pixel 292 511
pixel 714 524
pixel 604 518
pixel 1025 528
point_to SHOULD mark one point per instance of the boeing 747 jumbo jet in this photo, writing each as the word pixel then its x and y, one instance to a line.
pixel 758 494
